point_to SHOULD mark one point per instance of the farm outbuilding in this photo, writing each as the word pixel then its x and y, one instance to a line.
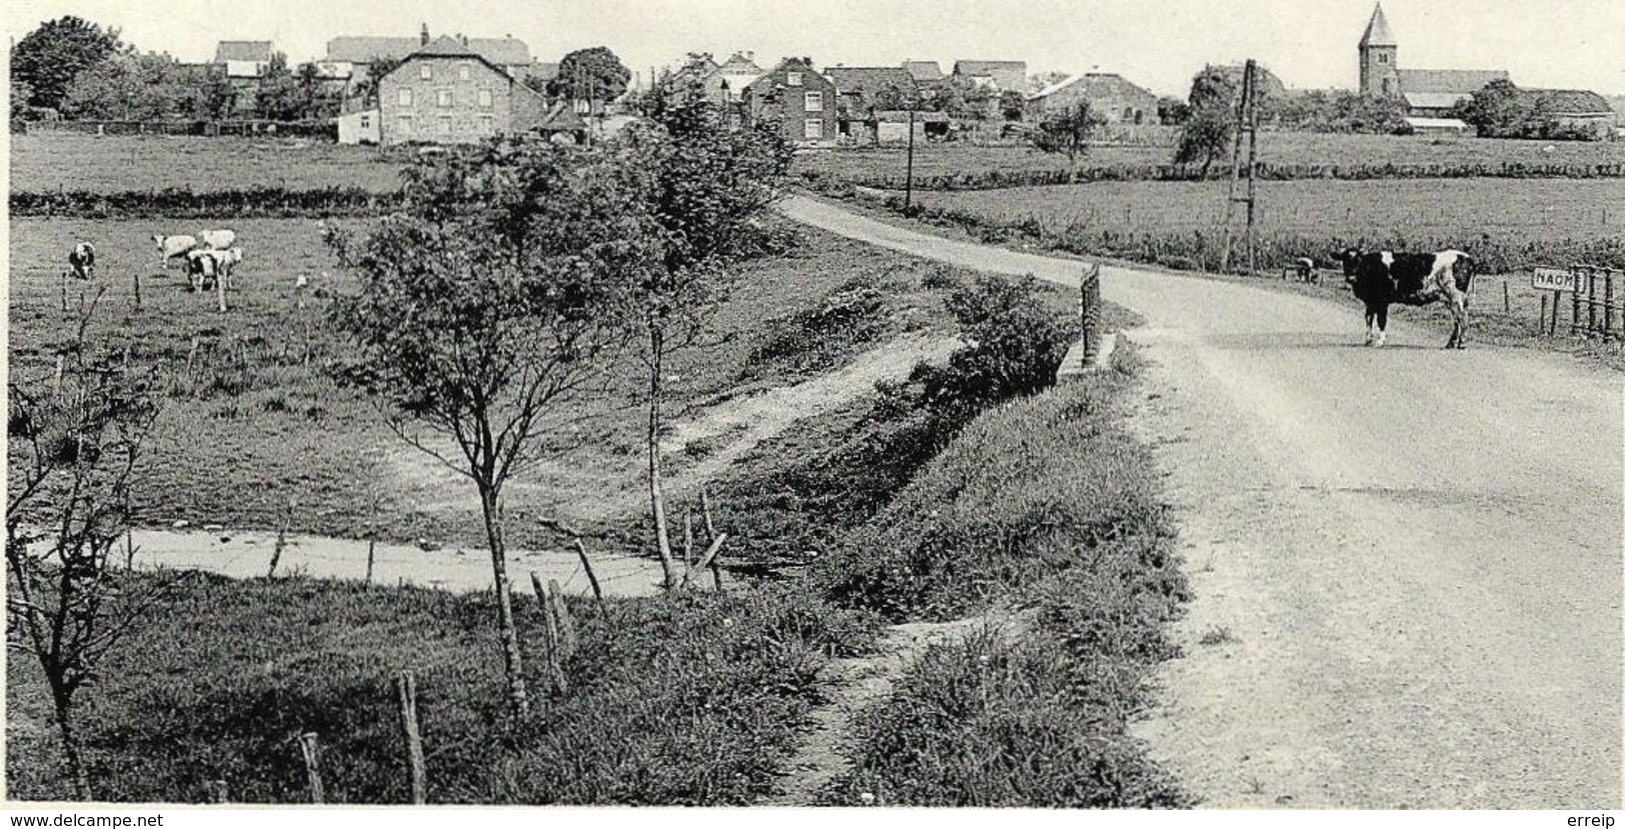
pixel 1111 96
pixel 359 127
pixel 1437 126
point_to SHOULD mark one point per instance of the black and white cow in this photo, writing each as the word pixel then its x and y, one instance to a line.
pixel 1384 278
pixel 83 260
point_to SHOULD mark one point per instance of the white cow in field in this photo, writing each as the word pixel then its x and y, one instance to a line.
pixel 171 248
pixel 218 239
pixel 205 266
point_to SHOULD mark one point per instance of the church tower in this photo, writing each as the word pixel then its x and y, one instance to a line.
pixel 1379 59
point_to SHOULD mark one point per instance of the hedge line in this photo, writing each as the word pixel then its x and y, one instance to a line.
pixel 1203 250
pixel 253 202
pixel 1001 179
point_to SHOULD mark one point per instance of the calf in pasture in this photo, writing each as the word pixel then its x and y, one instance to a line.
pixel 83 260
pixel 171 248
pixel 1384 278
pixel 217 239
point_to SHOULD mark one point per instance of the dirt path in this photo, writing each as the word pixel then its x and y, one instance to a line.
pixel 851 685
pixel 1411 558
pixel 248 555
pixel 737 426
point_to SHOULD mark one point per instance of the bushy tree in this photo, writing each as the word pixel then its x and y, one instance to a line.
pixel 1068 131
pixel 590 74
pixel 51 57
pixel 487 306
pixel 132 86
pixel 1171 111
pixel 367 88
pixel 712 185
pixel 1210 122
pixel 1502 110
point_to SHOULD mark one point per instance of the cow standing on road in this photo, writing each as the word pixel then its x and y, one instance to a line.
pixel 1385 278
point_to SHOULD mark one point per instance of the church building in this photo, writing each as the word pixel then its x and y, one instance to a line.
pixel 1424 92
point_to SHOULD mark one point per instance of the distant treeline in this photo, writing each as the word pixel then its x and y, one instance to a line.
pixel 1004 179
pixel 253 202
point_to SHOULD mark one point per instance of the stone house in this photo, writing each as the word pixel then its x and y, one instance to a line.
pixel 1110 96
pixel 795 94
pixel 446 93
pixel 354 55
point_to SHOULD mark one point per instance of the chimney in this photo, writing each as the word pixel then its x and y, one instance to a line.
pixel 423 35
pixel 463 38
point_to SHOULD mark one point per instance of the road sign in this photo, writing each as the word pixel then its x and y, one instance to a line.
pixel 1555 279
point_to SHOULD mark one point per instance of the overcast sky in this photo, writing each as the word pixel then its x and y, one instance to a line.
pixel 1308 43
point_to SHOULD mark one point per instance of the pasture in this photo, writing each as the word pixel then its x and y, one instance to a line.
pixel 116 163
pixel 253 423
pixel 1288 148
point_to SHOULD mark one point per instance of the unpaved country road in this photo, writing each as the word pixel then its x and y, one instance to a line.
pixel 1407 561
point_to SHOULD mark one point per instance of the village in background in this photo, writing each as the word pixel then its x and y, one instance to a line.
pixel 453 88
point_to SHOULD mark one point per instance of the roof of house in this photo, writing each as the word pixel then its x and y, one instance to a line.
pixel 248 50
pixel 1573 101
pixel 986 67
pixel 1377 32
pixel 1097 84
pixel 739 64
pixel 1465 81
pixel 923 71
pixel 544 71
pixel 1434 100
pixel 502 51
pixel 865 79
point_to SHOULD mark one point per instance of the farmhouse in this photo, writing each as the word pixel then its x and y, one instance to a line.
pixel 726 83
pixel 447 93
pixel 1001 75
pixel 1426 93
pixel 799 97
pixel 1109 95
pixel 509 54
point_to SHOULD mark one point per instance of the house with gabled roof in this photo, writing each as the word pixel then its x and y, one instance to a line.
pixel 1003 75
pixel 799 98
pixel 1109 95
pixel 445 92
pixel 508 53
pixel 926 73
pixel 244 58
pixel 726 83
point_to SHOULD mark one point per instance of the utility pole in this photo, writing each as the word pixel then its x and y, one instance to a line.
pixel 1246 130
pixel 908 179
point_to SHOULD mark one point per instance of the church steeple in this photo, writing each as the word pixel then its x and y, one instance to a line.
pixel 1379 58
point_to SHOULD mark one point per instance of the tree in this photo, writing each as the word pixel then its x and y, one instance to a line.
pixel 1502 110
pixel 1171 111
pixel 130 86
pixel 72 448
pixel 484 307
pixel 712 184
pixel 590 74
pixel 1211 120
pixel 281 96
pixel 367 88
pixel 1067 132
pixel 49 58
pixel 1012 105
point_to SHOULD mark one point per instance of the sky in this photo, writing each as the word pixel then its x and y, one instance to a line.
pixel 1307 43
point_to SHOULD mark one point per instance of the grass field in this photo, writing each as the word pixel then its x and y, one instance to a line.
pixel 1277 148
pixel 256 425
pixel 116 163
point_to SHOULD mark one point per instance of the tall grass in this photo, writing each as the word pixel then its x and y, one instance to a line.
pixel 1044 503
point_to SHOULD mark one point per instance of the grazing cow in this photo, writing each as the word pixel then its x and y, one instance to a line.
pixel 205 266
pixel 83 260
pixel 1384 278
pixel 217 239
pixel 171 248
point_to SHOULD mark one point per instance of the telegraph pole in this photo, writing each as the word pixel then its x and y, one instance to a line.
pixel 1246 130
pixel 908 180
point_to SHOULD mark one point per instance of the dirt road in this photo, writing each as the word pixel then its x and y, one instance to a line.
pixel 1407 561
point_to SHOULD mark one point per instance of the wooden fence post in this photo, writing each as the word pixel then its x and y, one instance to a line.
pixel 1540 327
pixel 406 690
pixel 313 772
pixel 550 635
pixel 1089 306
pixel 1574 316
pixel 64 288
pixel 592 578
pixel 1557 303
pixel 138 290
pixel 561 614
pixel 1506 298
pixel 372 544
pixel 688 546
pixel 220 289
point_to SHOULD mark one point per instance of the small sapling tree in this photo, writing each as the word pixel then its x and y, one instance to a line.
pixel 72 444
pixel 485 307
pixel 1068 132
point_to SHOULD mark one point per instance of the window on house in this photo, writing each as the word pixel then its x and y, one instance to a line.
pixel 405 124
pixel 1382 57
pixel 366 120
pixel 485 98
pixel 815 101
pixel 792 78
pixel 445 125
pixel 404 98
pixel 425 71
pixel 462 71
pixel 443 98
pixel 487 124
pixel 813 128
